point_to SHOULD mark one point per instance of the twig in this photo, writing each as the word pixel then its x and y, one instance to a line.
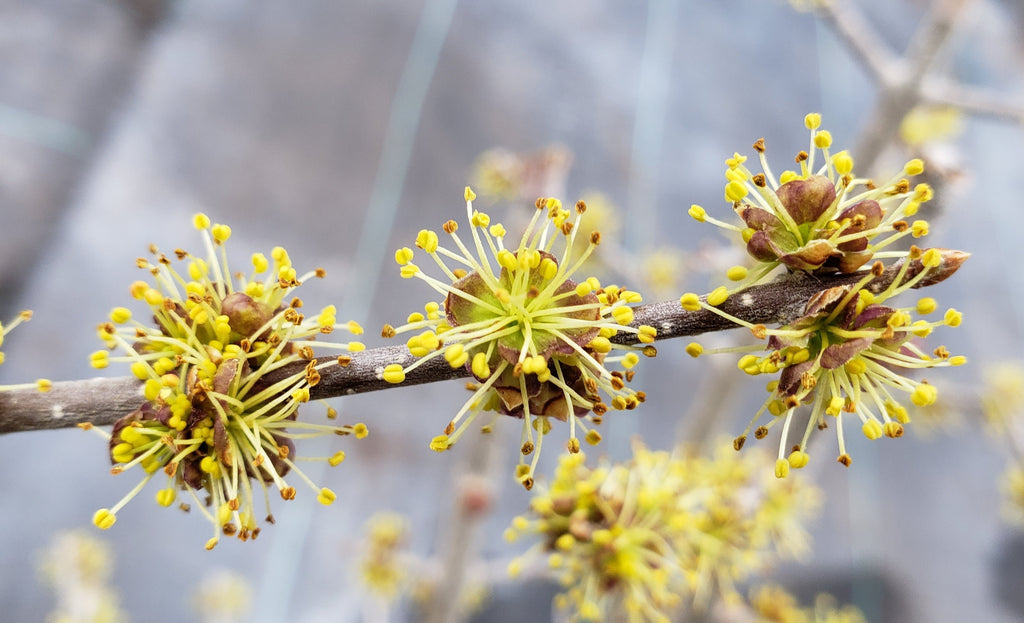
pixel 102 401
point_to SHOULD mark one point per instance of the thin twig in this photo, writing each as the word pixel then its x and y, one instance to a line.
pixel 103 401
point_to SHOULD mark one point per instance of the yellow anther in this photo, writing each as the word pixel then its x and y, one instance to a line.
pixel 326 496
pixel 548 268
pixel 812 121
pixel 260 264
pixel 409 271
pixel 781 468
pixel 872 429
pixel 439 443
pixel 394 373
pixel 629 360
pixel 99 359
pixel 698 213
pixel 480 368
pixel 926 305
pixel 479 219
pixel 403 256
pixel 220 233
pixel 718 296
pixel 736 273
pixel 919 228
pixel 469 194
pixel 623 315
pixel 600 345
pixel 735 191
pixel 200 221
pixel 823 139
pixel 914 167
pixel 336 458
pixel 924 395
pixel 104 519
pixel 507 260
pixel 120 315
pixel 690 301
pixel 165 497
pixel 456 355
pixel 952 318
pixel 931 258
pixel 694 349
pixel 798 459
pixel 843 163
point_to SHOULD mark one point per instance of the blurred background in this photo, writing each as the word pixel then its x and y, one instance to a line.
pixel 339 129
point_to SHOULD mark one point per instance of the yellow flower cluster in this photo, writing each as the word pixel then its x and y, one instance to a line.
pixel 539 343
pixel 219 414
pixel 632 541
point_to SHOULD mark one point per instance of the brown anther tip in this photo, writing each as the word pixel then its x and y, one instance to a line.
pixel 388 331
pixel 650 351
pixel 900 226
pixel 450 227
pixel 581 206
pixel 759 145
pixel 540 202
pixel 877 269
pixel 760 432
pixel 737 444
pixel 845 460
pixel 320 273
pixel 296 303
pixel 792 401
pixel 760 180
pixel 800 157
pixel 759 331
pixel 449 429
pixel 795 448
pixel 595 237
pixel 344 360
pixel 527 483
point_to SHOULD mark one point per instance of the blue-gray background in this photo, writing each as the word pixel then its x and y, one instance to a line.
pixel 339 129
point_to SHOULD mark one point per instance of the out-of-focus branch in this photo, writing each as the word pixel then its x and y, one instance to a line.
pixel 899 81
pixel 102 401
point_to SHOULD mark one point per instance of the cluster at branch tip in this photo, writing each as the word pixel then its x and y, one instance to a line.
pixel 850 351
pixel 537 341
pixel 816 220
pixel 635 540
pixel 208 423
pixel 42 385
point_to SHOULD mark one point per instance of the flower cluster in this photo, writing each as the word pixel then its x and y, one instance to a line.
pixel 850 350
pixel 78 566
pixel 641 536
pixel 383 566
pixel 538 343
pixel 212 420
pixel 816 220
pixel 846 355
pixel 772 604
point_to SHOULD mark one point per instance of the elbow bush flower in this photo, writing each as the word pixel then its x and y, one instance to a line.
pixel 638 538
pixel 820 219
pixel 847 355
pixel 538 343
pixel 208 422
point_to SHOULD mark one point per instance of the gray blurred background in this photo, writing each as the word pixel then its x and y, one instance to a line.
pixel 339 129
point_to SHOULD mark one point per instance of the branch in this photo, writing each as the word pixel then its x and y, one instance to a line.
pixel 102 401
